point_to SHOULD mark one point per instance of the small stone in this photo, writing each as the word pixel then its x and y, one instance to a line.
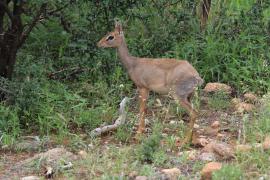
pixel 219 135
pixel 200 141
pixel 49 172
pixel 209 168
pixel 196 126
pixel 90 146
pixel 209 131
pixel 266 143
pixel 30 178
pixel 172 174
pixel 191 155
pixel 164 134
pixel 244 107
pixel 158 103
pixel 236 101
pixel 217 87
pixel 258 145
pixel 207 157
pixel 82 154
pixel 173 122
pixel 215 124
pixel 141 178
pixel 133 174
pixel 222 149
pixel 166 130
pixel 243 147
pixel 147 122
pixel 250 97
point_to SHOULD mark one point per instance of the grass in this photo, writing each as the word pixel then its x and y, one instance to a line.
pixel 115 156
pixel 115 161
pixel 219 101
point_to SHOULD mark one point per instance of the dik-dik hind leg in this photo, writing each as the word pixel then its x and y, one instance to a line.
pixel 142 98
pixel 193 116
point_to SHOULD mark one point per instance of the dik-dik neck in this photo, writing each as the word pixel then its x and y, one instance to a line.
pixel 127 60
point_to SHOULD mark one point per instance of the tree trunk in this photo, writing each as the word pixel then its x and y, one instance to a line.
pixel 8 53
pixel 10 39
pixel 205 9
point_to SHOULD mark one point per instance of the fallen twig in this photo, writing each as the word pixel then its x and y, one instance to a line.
pixel 119 121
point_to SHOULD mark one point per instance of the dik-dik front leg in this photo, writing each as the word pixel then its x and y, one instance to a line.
pixel 143 99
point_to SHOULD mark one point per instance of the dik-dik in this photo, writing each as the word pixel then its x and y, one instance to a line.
pixel 161 75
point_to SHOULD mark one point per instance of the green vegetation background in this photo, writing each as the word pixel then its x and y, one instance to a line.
pixel 63 84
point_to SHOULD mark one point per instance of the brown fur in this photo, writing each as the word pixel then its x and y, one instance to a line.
pixel 162 75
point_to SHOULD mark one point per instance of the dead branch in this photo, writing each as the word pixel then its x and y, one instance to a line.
pixel 119 121
pixel 74 71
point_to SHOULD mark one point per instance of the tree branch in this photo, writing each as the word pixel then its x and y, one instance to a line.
pixel 6 9
pixel 34 22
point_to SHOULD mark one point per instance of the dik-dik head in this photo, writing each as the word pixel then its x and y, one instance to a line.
pixel 113 39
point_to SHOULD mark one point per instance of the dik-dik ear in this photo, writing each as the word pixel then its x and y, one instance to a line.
pixel 118 26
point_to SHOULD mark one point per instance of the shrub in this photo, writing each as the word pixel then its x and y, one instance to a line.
pixel 228 172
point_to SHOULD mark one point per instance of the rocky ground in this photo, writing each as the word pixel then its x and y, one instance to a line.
pixel 221 140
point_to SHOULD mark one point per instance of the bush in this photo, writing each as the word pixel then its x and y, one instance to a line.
pixel 9 124
pixel 150 146
pixel 228 172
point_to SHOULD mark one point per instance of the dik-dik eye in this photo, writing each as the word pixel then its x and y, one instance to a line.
pixel 109 38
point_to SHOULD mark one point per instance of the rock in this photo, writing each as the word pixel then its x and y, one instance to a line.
pixel 199 141
pixel 146 121
pixel 236 101
pixel 164 135
pixel 219 135
pixel 173 122
pixel 82 154
pixel 191 155
pixel 132 174
pixel 215 125
pixel 266 143
pixel 222 149
pixel 158 103
pixel 209 168
pixel 207 157
pixel 31 178
pixel 28 143
pixel 250 97
pixel 172 174
pixel 209 131
pixel 243 147
pixel 166 130
pixel 217 87
pixel 49 172
pixel 196 126
pixel 53 158
pixel 141 178
pixel 244 107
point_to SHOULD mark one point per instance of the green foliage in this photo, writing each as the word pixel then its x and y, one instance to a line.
pixel 228 172
pixel 124 133
pixel 261 121
pixel 219 100
pixel 9 125
pixel 150 146
pixel 88 83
